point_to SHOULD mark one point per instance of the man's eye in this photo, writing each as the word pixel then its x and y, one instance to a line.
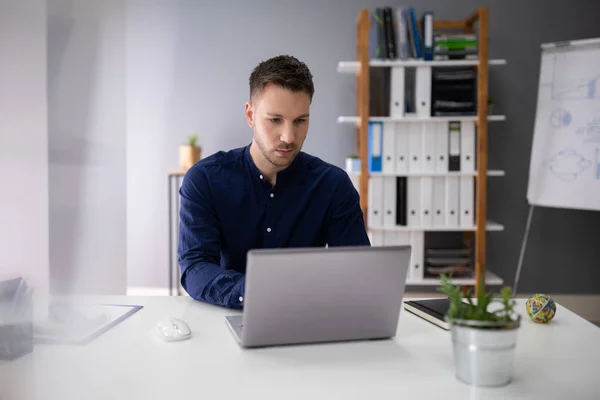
pixel 300 121
pixel 275 120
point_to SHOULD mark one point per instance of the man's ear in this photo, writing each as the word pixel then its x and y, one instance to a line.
pixel 249 112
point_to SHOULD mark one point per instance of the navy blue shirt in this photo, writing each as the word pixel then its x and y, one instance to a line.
pixel 228 207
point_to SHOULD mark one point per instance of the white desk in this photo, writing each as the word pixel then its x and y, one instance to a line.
pixel 556 361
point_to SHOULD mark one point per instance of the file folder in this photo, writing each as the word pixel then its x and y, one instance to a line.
pixel 423 91
pixel 429 147
pixel 389 201
pixel 376 202
pixel 427 24
pixel 414 201
pixel 439 201
pixel 389 148
pixel 467 146
pixel 426 201
pixel 454 146
pixel 402 153
pixel 415 146
pixel 397 105
pixel 441 148
pixel 401 200
pixel 466 218
pixel 452 205
pixel 402 34
pixel 375 147
pixel 417 243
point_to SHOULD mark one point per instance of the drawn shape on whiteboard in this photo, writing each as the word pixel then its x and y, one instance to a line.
pixel 560 118
pixel 573 89
pixel 597 163
pixel 568 164
pixel 591 131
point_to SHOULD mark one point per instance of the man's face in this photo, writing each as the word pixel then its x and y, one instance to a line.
pixel 279 118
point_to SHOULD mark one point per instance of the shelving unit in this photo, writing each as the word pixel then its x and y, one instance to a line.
pixel 361 68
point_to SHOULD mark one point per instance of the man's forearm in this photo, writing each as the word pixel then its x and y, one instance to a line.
pixel 212 284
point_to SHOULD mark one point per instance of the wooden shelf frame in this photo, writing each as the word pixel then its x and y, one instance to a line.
pixel 481 18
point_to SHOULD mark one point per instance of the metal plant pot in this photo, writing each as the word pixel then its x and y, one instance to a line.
pixel 484 351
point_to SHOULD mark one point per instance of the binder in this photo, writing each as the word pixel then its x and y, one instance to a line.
pixel 452 205
pixel 467 146
pixel 423 91
pixel 466 219
pixel 389 201
pixel 397 103
pixel 390 33
pixel 429 133
pixel 401 200
pixel 439 203
pixel 389 148
pixel 427 201
pixel 401 34
pixel 375 146
pixel 427 24
pixel 417 243
pixel 376 202
pixel 415 146
pixel 413 201
pixel 441 148
pixel 454 146
pixel 393 238
pixel 402 146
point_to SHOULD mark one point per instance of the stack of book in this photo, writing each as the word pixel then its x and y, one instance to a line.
pixel 455 47
pixel 457 263
pixel 453 91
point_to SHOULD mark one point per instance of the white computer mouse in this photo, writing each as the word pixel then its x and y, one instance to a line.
pixel 173 329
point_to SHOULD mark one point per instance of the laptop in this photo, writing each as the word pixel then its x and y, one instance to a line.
pixel 312 295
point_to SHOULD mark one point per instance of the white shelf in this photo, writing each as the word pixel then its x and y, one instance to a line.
pixel 490 173
pixel 490 279
pixel 490 226
pixel 353 66
pixel 413 118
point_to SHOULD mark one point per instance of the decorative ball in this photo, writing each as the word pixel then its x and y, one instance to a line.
pixel 540 308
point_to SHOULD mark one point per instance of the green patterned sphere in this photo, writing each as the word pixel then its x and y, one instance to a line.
pixel 540 308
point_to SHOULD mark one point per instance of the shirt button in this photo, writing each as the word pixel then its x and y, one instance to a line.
pixel 260 176
pixel 268 229
pixel 272 195
pixel 241 299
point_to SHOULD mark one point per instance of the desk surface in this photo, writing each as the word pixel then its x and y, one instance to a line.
pixel 555 361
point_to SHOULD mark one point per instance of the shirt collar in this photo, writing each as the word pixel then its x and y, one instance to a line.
pixel 282 176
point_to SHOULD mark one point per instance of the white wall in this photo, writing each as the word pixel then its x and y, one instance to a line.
pixel 23 143
pixel 86 92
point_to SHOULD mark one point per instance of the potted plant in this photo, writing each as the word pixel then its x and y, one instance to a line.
pixel 353 163
pixel 484 334
pixel 190 153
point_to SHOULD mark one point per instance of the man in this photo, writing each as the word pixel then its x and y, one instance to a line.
pixel 265 195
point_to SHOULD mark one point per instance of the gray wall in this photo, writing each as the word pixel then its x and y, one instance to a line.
pixel 86 129
pixel 188 65
pixel 23 143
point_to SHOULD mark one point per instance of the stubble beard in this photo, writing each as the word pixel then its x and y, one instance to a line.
pixel 271 157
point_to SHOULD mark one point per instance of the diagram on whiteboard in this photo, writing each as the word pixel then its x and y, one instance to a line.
pixel 568 164
pixel 597 165
pixel 560 118
pixel 591 131
pixel 566 88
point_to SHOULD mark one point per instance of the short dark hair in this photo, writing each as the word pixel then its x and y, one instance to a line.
pixel 284 71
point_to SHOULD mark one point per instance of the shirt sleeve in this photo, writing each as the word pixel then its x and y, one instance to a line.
pixel 199 248
pixel 346 225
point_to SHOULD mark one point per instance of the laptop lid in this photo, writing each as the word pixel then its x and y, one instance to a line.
pixel 323 294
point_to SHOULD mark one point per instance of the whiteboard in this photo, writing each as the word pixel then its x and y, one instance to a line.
pixel 564 168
